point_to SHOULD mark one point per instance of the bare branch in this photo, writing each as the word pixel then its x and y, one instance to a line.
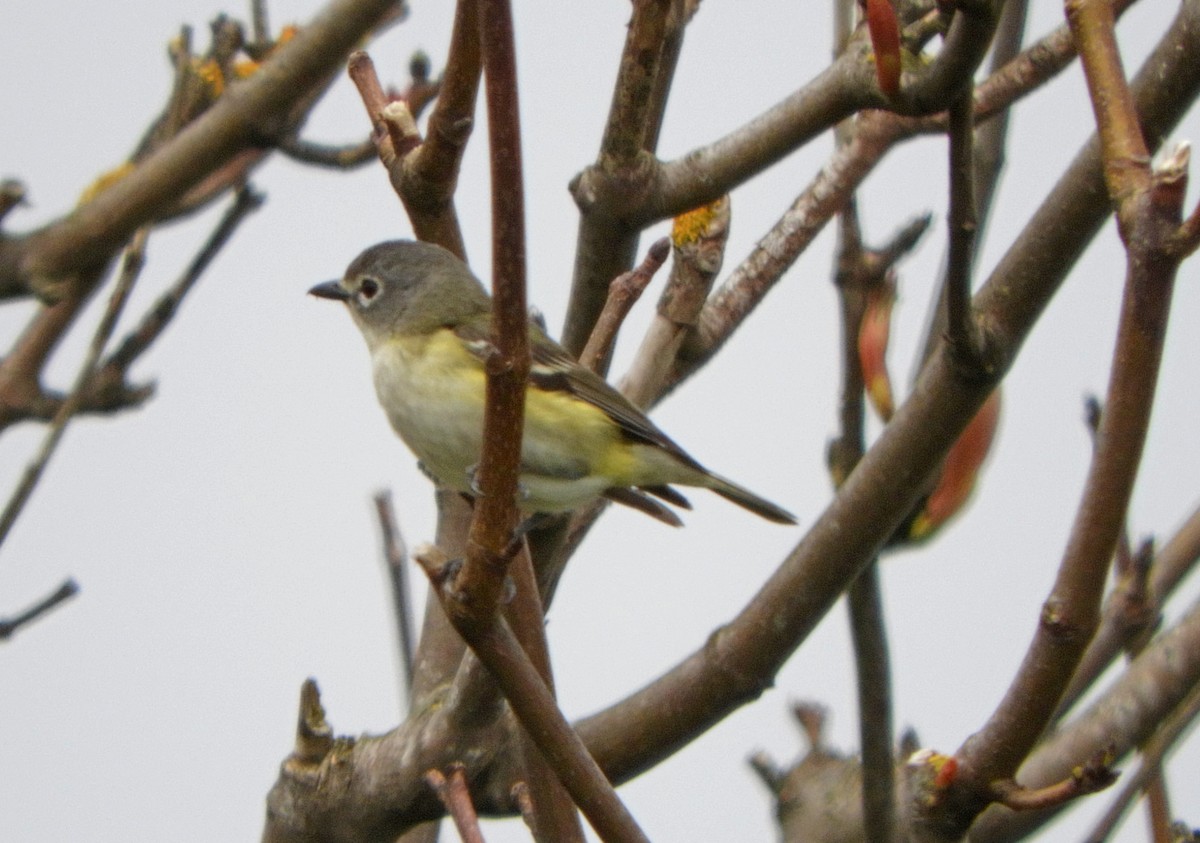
pixel 961 331
pixel 623 294
pixel 335 157
pixel 873 672
pixel 10 626
pixel 1087 778
pixel 481 578
pixel 457 799
pixel 395 557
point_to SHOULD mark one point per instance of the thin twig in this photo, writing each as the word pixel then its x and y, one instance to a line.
pixel 680 15
pixel 857 273
pixel 992 135
pixel 1091 777
pixel 395 558
pixel 9 626
pixel 632 109
pixel 21 394
pixel 1176 558
pixel 314 735
pixel 873 673
pixel 846 450
pixel 776 251
pixel 336 157
pixel 107 389
pixel 457 800
pixel 1130 615
pixel 623 294
pixel 1126 158
pixel 1172 562
pixel 520 795
pixel 960 325
pixel 361 71
pixel 130 269
pixel 1122 719
pixel 246 201
pixel 258 17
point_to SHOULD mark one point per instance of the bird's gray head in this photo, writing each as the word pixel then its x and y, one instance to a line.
pixel 406 287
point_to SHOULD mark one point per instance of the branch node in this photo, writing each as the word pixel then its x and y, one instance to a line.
pixel 436 564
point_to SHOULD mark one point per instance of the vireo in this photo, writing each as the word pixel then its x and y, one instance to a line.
pixel 427 323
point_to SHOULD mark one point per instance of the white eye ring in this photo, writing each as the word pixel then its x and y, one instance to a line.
pixel 368 291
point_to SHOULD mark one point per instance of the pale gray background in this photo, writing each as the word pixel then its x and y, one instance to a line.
pixel 224 536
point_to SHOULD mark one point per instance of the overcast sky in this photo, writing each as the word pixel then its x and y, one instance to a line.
pixel 224 536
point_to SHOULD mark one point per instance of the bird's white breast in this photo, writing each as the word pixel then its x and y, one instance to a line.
pixel 433 392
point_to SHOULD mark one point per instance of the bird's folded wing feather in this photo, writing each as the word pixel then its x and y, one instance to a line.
pixel 553 368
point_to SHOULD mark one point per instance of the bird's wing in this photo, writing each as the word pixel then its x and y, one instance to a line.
pixel 554 369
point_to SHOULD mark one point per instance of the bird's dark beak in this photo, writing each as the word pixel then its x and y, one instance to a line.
pixel 330 290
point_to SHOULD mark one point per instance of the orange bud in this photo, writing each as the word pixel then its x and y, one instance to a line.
pixel 960 470
pixel 930 775
pixel 885 39
pixel 947 770
pixel 873 335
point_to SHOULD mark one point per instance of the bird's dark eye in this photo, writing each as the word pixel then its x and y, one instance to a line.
pixel 368 290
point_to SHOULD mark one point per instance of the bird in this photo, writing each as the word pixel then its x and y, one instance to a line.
pixel 426 320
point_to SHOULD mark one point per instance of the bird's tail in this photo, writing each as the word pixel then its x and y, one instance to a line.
pixel 748 500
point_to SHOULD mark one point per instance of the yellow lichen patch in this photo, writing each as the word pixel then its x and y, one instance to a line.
pixel 210 74
pixel 247 67
pixel 104 181
pixel 692 225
